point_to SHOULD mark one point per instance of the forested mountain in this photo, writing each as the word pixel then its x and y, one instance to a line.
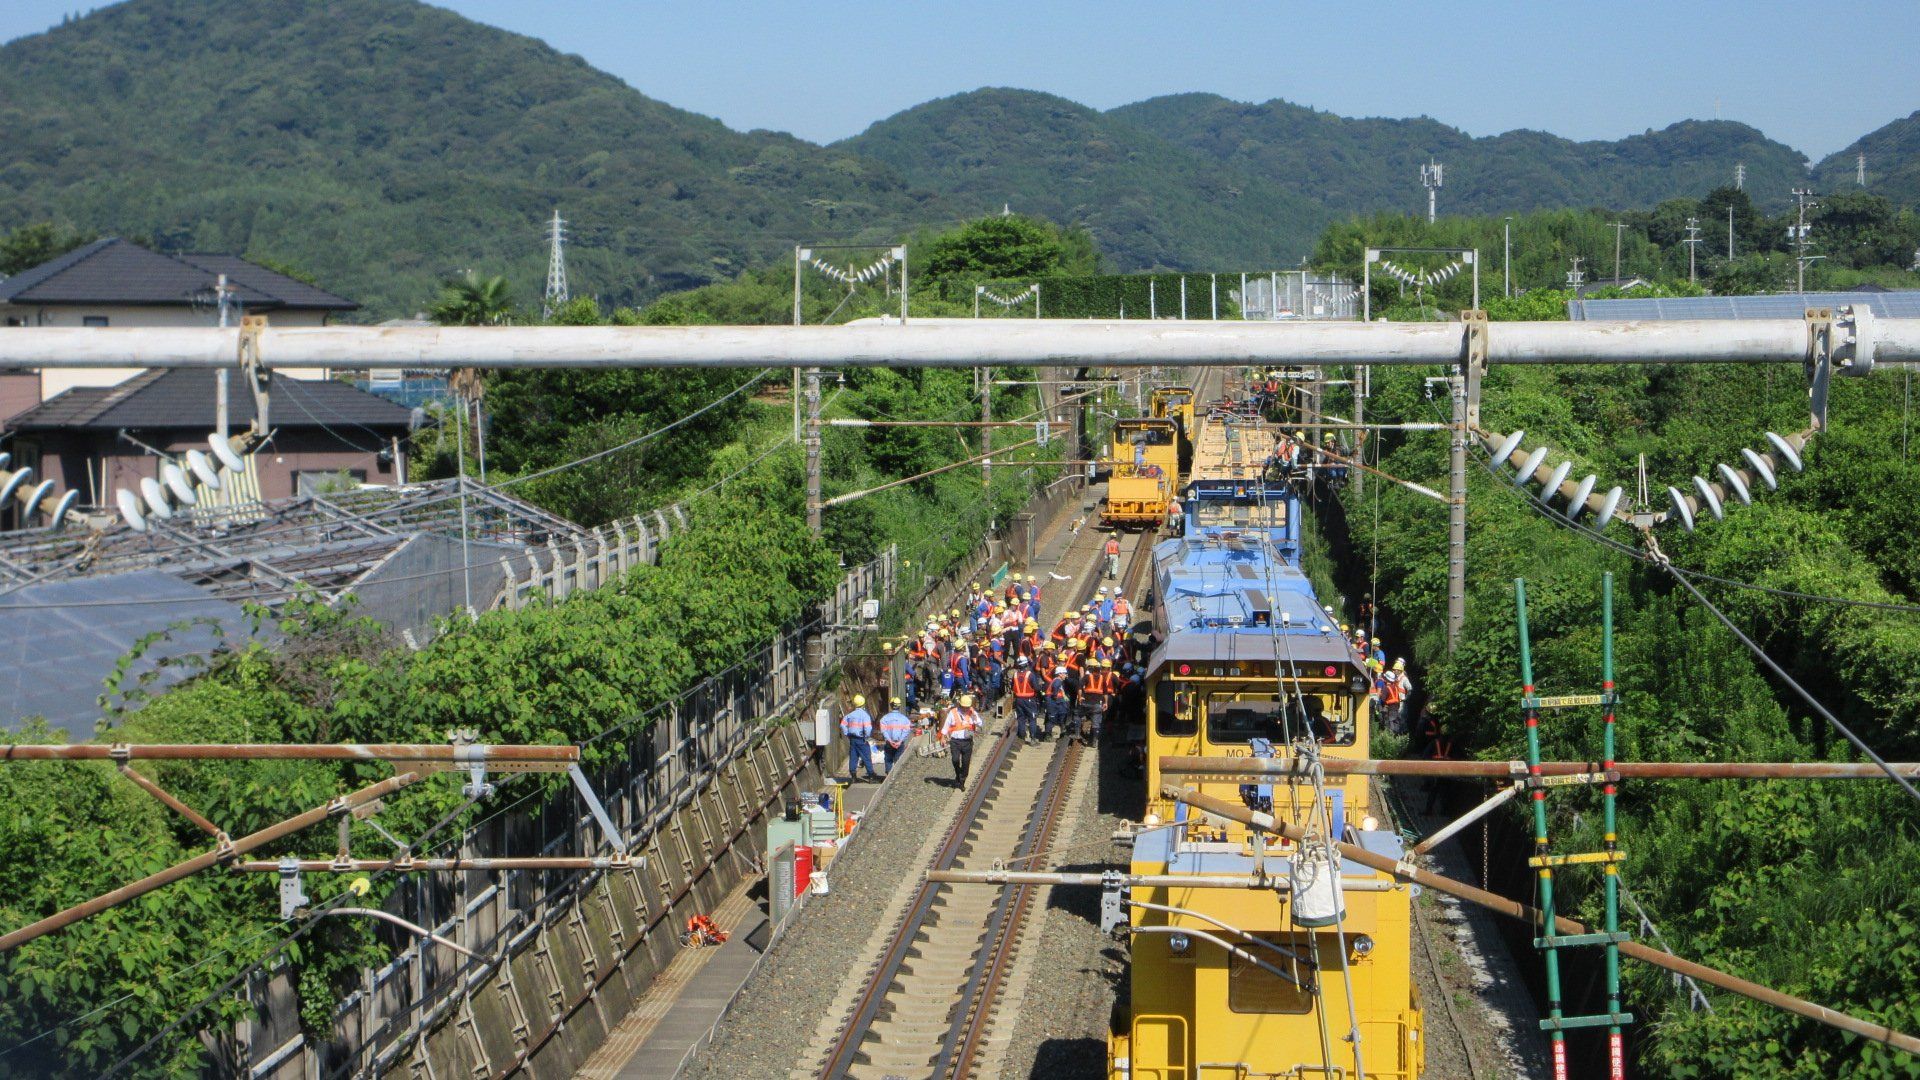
pixel 383 145
pixel 1364 165
pixel 1893 163
pixel 1148 202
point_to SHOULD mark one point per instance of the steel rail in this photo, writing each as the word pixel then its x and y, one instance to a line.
pixel 408 866
pixel 950 343
pixel 226 852
pixel 968 1032
pixel 1879 1033
pixel 1206 768
pixel 447 753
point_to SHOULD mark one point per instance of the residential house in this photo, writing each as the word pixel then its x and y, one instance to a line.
pixel 113 282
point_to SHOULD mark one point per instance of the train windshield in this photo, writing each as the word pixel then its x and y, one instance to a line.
pixel 1144 435
pixel 1234 515
pixel 1241 718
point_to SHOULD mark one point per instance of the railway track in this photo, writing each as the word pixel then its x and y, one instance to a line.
pixel 930 1002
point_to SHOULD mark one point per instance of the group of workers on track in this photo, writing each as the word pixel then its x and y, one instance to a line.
pixel 992 650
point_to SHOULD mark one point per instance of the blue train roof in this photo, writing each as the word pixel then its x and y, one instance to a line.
pixel 1220 598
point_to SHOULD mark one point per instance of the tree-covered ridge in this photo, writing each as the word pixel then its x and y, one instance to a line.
pixel 385 145
pixel 1365 165
pixel 1893 163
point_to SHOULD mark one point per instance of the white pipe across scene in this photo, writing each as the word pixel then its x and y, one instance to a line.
pixel 943 343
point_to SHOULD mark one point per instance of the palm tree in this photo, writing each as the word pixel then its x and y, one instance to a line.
pixel 474 301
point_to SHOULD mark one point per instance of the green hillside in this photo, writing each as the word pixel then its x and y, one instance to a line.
pixel 1149 203
pixel 1893 163
pixel 383 144
pixel 1365 165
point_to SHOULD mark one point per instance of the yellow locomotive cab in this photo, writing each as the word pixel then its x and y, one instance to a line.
pixel 1145 473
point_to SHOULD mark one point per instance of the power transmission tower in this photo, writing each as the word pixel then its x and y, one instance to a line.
pixel 1740 176
pixel 1693 243
pixel 1860 169
pixel 1431 175
pixel 1800 235
pixel 1619 230
pixel 556 295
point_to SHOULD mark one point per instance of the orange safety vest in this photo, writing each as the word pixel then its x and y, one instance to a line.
pixel 1097 684
pixel 1023 684
pixel 1394 690
pixel 960 724
pixel 1113 546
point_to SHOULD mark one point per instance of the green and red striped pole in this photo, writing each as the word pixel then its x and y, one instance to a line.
pixel 1530 710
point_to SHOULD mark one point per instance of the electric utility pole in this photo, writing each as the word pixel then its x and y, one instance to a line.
pixel 1506 257
pixel 1801 238
pixel 1693 242
pixel 1619 230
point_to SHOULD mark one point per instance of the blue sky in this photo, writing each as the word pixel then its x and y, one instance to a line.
pixel 1812 77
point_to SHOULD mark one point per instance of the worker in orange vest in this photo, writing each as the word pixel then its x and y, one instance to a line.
pixel 1096 691
pixel 1113 558
pixel 1026 701
pixel 957 730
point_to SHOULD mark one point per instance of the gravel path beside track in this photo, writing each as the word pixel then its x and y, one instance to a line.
pixel 769 1032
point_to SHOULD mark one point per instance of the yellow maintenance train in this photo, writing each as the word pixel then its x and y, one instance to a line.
pixel 1232 980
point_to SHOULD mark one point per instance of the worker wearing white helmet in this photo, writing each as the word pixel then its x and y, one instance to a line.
pixel 957 730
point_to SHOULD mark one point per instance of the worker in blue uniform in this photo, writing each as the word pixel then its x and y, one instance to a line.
pixel 857 726
pixel 895 730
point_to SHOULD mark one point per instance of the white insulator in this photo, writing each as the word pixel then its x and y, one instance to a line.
pixel 1315 881
pixel 1708 499
pixel 1760 468
pixel 13 484
pixel 1554 480
pixel 224 451
pixel 1731 476
pixel 155 497
pixel 204 468
pixel 1579 500
pixel 176 480
pixel 1786 451
pixel 59 515
pixel 130 510
pixel 1529 467
pixel 38 494
pixel 1506 448
pixel 1682 508
pixel 1607 507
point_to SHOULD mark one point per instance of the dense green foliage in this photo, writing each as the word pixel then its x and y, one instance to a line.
pixel 1808 888
pixel 1860 236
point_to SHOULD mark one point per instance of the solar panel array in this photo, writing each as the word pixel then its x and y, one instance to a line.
pixel 1886 305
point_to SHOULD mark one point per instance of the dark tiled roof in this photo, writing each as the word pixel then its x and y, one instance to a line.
pixel 113 271
pixel 184 398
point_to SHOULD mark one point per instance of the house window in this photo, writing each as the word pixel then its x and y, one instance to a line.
pixel 93 320
pixel 327 481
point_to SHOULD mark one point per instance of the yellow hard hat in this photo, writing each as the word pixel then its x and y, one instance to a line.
pixel 1050 645
pixel 895 702
pixel 1108 641
pixel 1106 663
pixel 954 612
pixel 859 700
pixel 976 585
pixel 1073 614
pixel 1299 434
pixel 1031 625
pixel 966 701
pixel 1031 578
pixel 1399 665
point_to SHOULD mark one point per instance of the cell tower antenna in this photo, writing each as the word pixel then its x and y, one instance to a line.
pixel 1860 169
pixel 1740 176
pixel 556 295
pixel 1431 175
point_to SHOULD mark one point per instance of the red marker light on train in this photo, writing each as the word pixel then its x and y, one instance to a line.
pixel 1331 671
pixel 1186 669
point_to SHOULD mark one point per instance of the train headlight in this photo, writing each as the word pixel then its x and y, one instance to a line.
pixel 1181 944
pixel 1369 823
pixel 1362 945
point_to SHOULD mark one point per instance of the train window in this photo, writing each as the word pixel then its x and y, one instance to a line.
pixel 1253 989
pixel 1173 714
pixel 1329 717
